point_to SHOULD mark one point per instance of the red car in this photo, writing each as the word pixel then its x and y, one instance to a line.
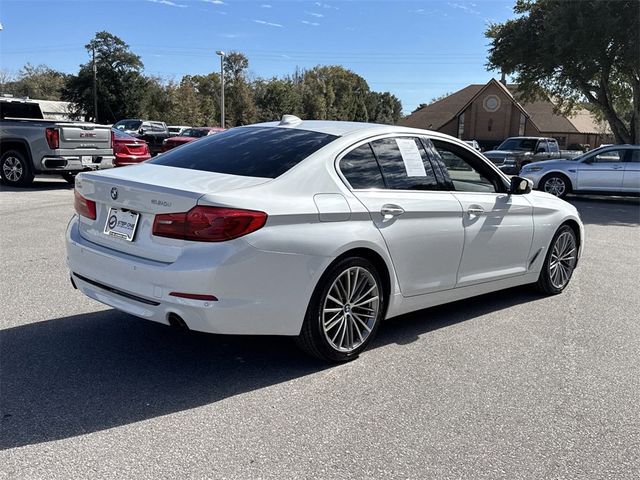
pixel 189 135
pixel 128 150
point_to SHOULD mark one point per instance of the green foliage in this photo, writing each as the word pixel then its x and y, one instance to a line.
pixel 39 82
pixel 576 51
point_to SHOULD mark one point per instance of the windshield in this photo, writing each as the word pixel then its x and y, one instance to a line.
pixel 518 144
pixel 265 152
pixel 128 125
pixel 194 132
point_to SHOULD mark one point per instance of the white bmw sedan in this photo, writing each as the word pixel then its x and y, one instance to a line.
pixel 313 229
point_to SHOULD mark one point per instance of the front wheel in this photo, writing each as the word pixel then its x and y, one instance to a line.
pixel 555 184
pixel 560 262
pixel 345 311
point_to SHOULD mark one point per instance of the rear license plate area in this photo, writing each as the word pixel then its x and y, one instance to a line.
pixel 121 223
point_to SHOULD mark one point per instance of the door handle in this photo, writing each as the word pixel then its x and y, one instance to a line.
pixel 616 167
pixel 389 211
pixel 475 211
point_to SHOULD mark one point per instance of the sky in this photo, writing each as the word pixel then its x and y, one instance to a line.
pixel 417 50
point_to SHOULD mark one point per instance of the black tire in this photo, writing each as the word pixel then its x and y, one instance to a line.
pixel 556 184
pixel 70 177
pixel 15 170
pixel 548 281
pixel 313 338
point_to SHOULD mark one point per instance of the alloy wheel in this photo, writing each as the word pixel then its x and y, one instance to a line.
pixel 563 259
pixel 555 186
pixel 350 309
pixel 12 169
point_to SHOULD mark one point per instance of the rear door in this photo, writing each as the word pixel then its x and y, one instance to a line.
pixel 631 178
pixel 421 225
pixel 602 171
pixel 498 226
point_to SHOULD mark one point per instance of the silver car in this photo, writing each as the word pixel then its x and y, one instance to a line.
pixel 614 169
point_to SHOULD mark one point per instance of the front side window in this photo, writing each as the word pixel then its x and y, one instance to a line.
pixel 610 156
pixel 265 152
pixel 553 146
pixel 361 169
pixel 405 164
pixel 466 173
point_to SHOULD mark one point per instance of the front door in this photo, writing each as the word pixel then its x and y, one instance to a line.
pixel 602 171
pixel 498 226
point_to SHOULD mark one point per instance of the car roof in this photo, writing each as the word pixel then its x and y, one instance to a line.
pixel 330 127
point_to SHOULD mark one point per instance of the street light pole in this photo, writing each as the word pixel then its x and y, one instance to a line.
pixel 95 88
pixel 222 54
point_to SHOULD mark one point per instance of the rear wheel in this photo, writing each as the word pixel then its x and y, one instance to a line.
pixel 345 311
pixel 556 184
pixel 560 262
pixel 15 170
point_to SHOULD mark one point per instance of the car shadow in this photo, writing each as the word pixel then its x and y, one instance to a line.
pixel 85 373
pixel 39 184
pixel 616 211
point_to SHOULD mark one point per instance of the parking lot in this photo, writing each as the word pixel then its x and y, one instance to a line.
pixel 507 385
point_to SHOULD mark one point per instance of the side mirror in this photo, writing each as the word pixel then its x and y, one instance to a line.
pixel 520 185
pixel 141 131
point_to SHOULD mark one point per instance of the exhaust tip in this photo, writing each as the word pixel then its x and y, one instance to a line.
pixel 176 321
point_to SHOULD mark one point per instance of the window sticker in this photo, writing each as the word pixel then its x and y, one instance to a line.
pixel 411 157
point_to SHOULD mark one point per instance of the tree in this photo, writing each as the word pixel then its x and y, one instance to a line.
pixel 39 82
pixel 275 98
pixel 120 81
pixel 383 108
pixel 576 51
pixel 334 93
pixel 239 105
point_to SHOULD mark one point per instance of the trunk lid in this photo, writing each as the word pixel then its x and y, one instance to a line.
pixel 147 190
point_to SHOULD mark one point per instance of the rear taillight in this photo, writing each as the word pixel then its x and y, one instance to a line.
pixel 84 206
pixel 208 224
pixel 113 139
pixel 53 138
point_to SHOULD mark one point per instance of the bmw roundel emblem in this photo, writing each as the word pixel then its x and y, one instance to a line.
pixel 114 193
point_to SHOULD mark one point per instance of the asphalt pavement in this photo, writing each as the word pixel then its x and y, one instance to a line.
pixel 509 385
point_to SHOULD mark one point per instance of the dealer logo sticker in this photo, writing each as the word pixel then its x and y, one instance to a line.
pixel 113 221
pixel 114 193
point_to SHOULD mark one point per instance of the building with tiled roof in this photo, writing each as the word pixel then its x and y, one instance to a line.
pixel 491 112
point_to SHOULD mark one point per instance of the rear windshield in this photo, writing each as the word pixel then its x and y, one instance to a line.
pixel 20 110
pixel 265 152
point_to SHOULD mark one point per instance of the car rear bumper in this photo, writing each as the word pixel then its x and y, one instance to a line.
pixel 76 163
pixel 258 292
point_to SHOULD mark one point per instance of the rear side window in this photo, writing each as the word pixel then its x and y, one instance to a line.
pixel 265 152
pixel 405 164
pixel 360 168
pixel 20 110
pixel 553 146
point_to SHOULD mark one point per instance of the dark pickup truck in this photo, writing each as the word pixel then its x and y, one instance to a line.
pixel 152 132
pixel 516 152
